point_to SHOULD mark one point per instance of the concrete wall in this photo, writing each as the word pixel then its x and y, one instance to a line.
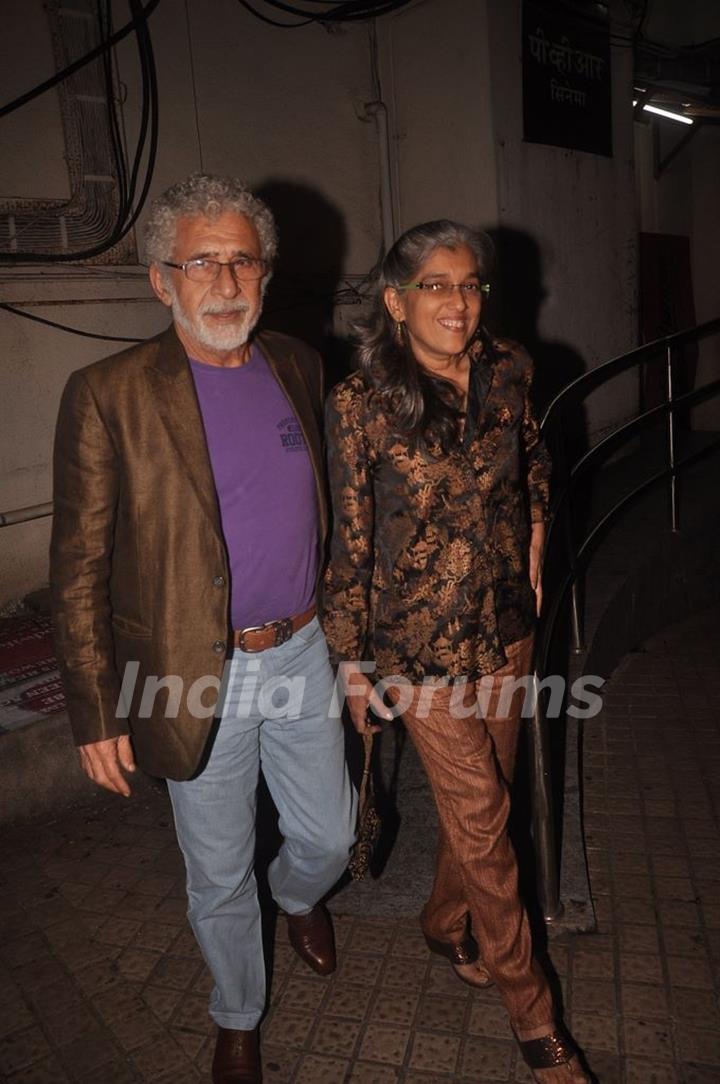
pixel 684 198
pixel 436 80
pixel 705 262
pixel 572 215
pixel 683 201
pixel 286 109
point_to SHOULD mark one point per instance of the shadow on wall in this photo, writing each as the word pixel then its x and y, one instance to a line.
pixel 514 310
pixel 312 247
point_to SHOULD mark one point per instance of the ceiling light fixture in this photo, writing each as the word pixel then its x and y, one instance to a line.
pixel 666 113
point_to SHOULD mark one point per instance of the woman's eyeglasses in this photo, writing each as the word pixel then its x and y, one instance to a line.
pixel 445 289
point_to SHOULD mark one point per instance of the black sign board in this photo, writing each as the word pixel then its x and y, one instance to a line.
pixel 566 75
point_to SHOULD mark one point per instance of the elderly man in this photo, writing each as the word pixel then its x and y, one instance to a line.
pixel 187 542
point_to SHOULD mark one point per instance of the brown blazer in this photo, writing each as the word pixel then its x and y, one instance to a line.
pixel 138 565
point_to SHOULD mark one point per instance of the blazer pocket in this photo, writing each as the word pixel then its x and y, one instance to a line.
pixel 128 627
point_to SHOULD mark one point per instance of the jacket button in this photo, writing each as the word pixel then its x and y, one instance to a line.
pixel 219 647
pixel 218 581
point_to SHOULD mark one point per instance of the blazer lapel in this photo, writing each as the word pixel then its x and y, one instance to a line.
pixel 173 392
pixel 287 373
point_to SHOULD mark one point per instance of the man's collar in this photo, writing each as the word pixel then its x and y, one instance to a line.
pixel 170 358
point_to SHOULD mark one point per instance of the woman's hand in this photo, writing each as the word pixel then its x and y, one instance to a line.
pixel 362 697
pixel 537 547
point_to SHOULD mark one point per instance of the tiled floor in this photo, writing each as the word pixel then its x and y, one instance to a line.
pixel 100 979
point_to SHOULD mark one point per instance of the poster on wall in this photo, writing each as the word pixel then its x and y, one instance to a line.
pixel 566 75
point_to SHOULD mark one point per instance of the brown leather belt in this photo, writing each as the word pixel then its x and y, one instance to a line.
pixel 274 633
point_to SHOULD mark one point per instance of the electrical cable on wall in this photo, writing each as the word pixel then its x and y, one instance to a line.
pixel 345 11
pixel 105 21
pixel 142 16
pixel 336 11
pixel 65 327
pixel 272 22
pixel 130 202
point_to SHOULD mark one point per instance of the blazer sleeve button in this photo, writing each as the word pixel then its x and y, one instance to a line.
pixel 219 647
pixel 218 581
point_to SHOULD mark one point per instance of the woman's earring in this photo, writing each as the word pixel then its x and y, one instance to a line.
pixel 399 334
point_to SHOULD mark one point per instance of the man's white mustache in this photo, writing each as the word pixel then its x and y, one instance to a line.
pixel 224 310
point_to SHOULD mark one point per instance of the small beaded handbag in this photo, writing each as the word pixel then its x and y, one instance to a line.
pixel 368 821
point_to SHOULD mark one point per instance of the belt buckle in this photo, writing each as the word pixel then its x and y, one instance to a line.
pixel 283 631
pixel 241 638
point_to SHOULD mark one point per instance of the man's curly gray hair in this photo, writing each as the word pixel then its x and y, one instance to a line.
pixel 210 196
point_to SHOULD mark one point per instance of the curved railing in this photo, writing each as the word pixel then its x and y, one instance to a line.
pixel 564 548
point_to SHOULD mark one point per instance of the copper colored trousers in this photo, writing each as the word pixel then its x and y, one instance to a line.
pixel 469 762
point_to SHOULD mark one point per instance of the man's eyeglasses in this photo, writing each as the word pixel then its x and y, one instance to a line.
pixel 445 289
pixel 243 268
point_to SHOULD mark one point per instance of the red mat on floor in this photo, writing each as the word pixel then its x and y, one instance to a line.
pixel 29 680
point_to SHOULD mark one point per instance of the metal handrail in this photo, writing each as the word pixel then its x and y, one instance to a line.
pixel 577 554
pixel 648 351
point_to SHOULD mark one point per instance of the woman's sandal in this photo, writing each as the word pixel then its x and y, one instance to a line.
pixel 462 954
pixel 554 1059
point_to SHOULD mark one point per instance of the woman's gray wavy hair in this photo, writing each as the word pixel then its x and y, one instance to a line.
pixel 210 196
pixel 416 245
pixel 421 405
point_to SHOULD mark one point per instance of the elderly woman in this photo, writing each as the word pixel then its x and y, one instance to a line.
pixel 439 485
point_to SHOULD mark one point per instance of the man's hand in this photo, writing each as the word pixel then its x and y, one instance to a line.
pixel 361 697
pixel 105 761
pixel 537 546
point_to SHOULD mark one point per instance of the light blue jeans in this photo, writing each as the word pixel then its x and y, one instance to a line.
pixel 275 715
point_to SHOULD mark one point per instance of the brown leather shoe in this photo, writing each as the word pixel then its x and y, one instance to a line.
pixel 237 1057
pixel 312 938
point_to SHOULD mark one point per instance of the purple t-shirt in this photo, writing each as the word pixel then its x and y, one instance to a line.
pixel 266 490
